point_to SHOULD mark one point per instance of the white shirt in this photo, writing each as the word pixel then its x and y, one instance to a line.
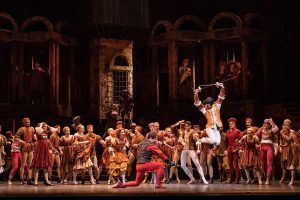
pixel 213 112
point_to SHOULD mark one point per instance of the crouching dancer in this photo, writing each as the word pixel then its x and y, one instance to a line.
pixel 146 149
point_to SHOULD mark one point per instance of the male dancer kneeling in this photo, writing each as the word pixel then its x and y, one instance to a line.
pixel 144 164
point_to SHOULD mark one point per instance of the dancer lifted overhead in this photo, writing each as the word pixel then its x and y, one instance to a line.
pixel 211 111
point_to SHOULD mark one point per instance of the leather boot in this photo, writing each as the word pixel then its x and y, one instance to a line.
pixel 169 180
pixel 29 182
pixel 221 175
pixel 22 182
pixel 228 174
pixel 119 184
pixel 255 180
pixel 59 180
pixel 237 180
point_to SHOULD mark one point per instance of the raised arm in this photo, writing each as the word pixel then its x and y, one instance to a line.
pixel 243 139
pixel 197 102
pixel 221 95
pixel 176 124
pixel 100 140
pixel 258 133
pixel 274 126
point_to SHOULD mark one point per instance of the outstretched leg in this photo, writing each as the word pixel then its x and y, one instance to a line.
pixel 183 158
pixel 197 164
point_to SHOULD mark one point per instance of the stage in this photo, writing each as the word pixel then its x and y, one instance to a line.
pixel 100 191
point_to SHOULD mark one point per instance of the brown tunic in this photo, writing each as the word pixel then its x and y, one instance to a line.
pixel 82 156
pixel 188 136
pixel 286 151
pixel 93 138
pixel 118 160
pixel 27 135
pixel 54 139
pixel 250 156
pixel 67 159
pixel 167 150
pixel 295 164
pixel 136 139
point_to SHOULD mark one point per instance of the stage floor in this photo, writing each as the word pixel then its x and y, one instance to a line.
pixel 173 189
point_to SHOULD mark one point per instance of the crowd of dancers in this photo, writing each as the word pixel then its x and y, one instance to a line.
pixel 252 152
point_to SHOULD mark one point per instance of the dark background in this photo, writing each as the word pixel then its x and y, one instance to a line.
pixel 282 25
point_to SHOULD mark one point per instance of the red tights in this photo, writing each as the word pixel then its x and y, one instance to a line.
pixel 16 157
pixel 145 167
pixel 233 164
pixel 266 155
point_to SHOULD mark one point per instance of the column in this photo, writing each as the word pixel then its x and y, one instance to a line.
pixel 13 74
pixel 57 73
pixel 70 75
pixel 244 53
pixel 212 60
pixel 52 72
pixel 155 74
pixel 20 73
pixel 95 79
pixel 266 85
pixel 173 71
pixel 206 62
pixel 93 56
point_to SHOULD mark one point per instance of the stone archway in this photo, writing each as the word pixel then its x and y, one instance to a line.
pixel 166 24
pixel 120 55
pixel 11 20
pixel 221 15
pixel 189 18
pixel 254 16
pixel 41 19
pixel 59 26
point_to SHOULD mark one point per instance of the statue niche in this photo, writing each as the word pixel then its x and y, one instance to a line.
pixel 39 84
pixel 185 85
pixel 221 71
pixel 231 70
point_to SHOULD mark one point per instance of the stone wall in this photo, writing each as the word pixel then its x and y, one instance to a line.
pixel 102 69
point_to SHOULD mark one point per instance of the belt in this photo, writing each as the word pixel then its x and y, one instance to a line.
pixel 266 141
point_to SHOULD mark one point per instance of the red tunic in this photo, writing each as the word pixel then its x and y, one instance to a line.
pixel 156 151
pixel 231 140
pixel 42 157
pixel 160 138
pixel 250 156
